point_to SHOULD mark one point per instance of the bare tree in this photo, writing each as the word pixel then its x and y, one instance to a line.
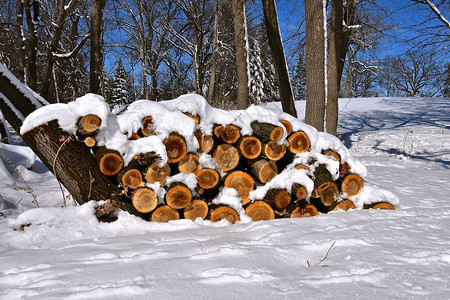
pixel 278 56
pixel 315 64
pixel 241 52
pixel 96 58
pixel 414 74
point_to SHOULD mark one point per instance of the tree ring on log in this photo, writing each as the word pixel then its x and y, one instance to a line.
pixel 176 147
pixel 299 142
pixel 227 157
pixel 352 184
pixel 208 178
pixel 144 200
pixel 250 147
pixel 260 210
pixel 165 213
pixel 178 195
pixel 224 212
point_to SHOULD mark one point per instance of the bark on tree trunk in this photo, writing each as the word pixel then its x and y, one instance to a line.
pixel 336 37
pixel 349 18
pixel 96 59
pixel 315 64
pixel 31 48
pixel 241 53
pixel 278 57
pixel 20 42
pixel 212 78
pixel 69 160
pixel 348 80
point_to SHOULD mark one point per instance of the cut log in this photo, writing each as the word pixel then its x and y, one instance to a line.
pixel 176 147
pixel 298 191
pixel 148 128
pixel 242 182
pixel 217 130
pixel 352 185
pixel 109 161
pixel 260 210
pixel 343 205
pixel 264 170
pixel 220 212
pixel 344 168
pixel 328 193
pixel 321 175
pixel 90 141
pixel 273 151
pixel 287 125
pixel 332 154
pixel 304 210
pixel 144 200
pixel 250 147
pixel 278 199
pixel 267 131
pixel 189 164
pixel 380 205
pixel 230 134
pixel 130 177
pixel 198 208
pixel 145 159
pixel 208 179
pixel 227 157
pixel 88 125
pixel 302 167
pixel 165 213
pixel 194 117
pixel 178 195
pixel 133 136
pixel 155 173
pixel 205 142
pixel 299 142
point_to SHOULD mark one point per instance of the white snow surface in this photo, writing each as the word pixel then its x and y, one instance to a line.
pixel 65 253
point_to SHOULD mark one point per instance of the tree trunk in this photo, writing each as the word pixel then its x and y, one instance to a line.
pixel 349 18
pixel 31 47
pixel 333 79
pixel 69 160
pixel 241 52
pixel 348 80
pixel 96 59
pixel 20 42
pixel 278 57
pixel 315 64
pixel 215 55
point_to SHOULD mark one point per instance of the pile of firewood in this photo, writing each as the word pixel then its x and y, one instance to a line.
pixel 243 163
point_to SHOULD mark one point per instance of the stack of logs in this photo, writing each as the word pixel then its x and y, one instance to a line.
pixel 247 161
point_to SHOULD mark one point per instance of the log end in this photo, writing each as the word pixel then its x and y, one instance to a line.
pixel 287 125
pixel 344 205
pixel 352 184
pixel 260 210
pixel 189 164
pixel 242 182
pixel 164 213
pixel 155 173
pixel 250 147
pixel 178 195
pixel 230 134
pixel 176 148
pixel 299 142
pixel 227 157
pixel 144 200
pixel 224 212
pixel 208 178
pixel 196 209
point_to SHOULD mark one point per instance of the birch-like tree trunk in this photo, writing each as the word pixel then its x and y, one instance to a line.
pixel 278 57
pixel 315 64
pixel 241 53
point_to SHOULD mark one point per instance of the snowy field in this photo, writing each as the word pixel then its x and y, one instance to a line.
pixel 363 254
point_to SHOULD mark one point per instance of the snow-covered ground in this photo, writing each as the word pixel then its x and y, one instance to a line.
pixel 364 254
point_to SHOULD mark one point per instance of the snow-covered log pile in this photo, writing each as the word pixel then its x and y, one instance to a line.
pixel 185 159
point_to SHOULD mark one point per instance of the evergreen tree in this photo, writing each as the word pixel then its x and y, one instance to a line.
pixel 119 87
pixel 299 77
pixel 257 74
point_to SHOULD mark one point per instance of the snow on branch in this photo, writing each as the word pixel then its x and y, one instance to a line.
pixel 436 11
pixel 71 54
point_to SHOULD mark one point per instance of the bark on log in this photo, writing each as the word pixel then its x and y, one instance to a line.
pixel 227 157
pixel 344 168
pixel 273 151
pixel 264 170
pixel 352 184
pixel 299 142
pixel 278 199
pixel 155 173
pixel 198 208
pixel 267 131
pixel 88 125
pixel 178 195
pixel 189 164
pixel 109 161
pixel 250 147
pixel 332 154
pixel 321 175
pixel 144 200
pixel 220 212
pixel 164 213
pixel 242 182
pixel 176 147
pixel 260 210
pixel 304 210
